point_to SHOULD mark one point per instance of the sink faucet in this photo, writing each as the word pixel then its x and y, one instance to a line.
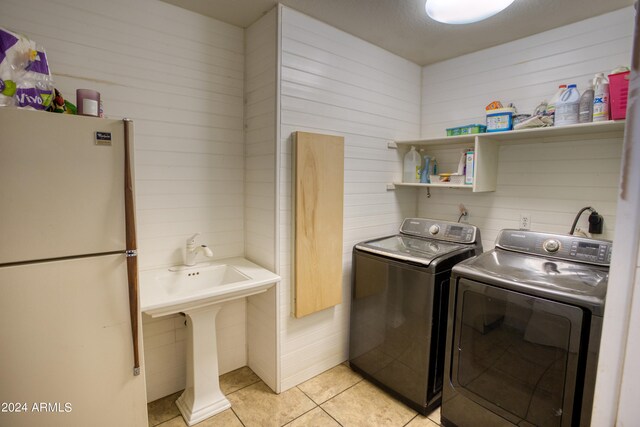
pixel 193 250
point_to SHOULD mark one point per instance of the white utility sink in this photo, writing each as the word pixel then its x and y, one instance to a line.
pixel 197 292
pixel 173 290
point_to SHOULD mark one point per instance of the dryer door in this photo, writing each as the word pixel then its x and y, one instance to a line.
pixel 516 355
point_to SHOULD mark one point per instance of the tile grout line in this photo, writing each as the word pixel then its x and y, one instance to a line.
pixel 235 391
pixel 166 421
pixel 330 416
pixel 316 405
pixel 390 396
pixel 380 390
pixel 306 412
pixel 243 387
pixel 320 407
pixel 348 388
pixel 385 392
pixel 408 422
pixel 180 415
pixel 237 416
pixel 338 394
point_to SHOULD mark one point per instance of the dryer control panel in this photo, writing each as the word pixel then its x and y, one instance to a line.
pixel 440 230
pixel 570 248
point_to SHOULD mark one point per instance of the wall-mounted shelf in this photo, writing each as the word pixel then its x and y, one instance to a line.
pixel 441 185
pixel 548 133
pixel 486 147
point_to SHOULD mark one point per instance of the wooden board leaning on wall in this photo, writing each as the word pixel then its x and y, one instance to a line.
pixel 318 181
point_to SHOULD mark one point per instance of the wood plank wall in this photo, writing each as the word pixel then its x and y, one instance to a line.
pixel 549 181
pixel 179 76
pixel 334 83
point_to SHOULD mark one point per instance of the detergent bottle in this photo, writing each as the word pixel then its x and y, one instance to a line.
pixel 411 167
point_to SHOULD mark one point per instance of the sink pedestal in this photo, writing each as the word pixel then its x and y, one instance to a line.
pixel 202 397
pixel 198 292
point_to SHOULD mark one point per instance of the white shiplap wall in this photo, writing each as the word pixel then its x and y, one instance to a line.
pixel 260 189
pixel 524 71
pixel 549 181
pixel 179 76
pixel 260 143
pixel 334 83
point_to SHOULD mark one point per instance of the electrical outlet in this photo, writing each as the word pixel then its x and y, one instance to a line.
pixel 525 221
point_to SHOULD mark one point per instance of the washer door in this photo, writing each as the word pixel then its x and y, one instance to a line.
pixel 516 355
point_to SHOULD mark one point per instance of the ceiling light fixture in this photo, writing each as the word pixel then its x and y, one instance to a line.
pixel 464 11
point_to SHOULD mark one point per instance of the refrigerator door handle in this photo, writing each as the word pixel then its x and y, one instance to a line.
pixel 132 251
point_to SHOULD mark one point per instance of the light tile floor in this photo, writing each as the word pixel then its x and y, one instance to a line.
pixel 337 397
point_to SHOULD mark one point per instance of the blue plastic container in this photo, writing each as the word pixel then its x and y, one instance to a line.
pixel 500 119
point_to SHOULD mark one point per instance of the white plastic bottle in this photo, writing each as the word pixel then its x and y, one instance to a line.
pixel 551 105
pixel 568 107
pixel 411 167
pixel 585 111
pixel 600 98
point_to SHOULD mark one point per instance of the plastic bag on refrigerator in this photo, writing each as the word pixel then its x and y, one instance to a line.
pixel 25 78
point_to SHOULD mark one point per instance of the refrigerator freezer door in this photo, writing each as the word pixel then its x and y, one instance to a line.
pixel 61 193
pixel 66 339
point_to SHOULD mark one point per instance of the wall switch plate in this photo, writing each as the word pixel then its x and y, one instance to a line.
pixel 525 221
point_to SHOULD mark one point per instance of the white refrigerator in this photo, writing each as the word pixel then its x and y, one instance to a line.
pixel 66 348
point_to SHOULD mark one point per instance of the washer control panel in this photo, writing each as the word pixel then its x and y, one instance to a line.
pixel 570 248
pixel 592 252
pixel 440 230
